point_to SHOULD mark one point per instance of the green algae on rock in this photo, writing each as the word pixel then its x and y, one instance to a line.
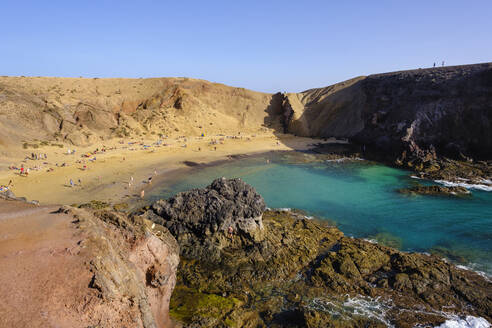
pixel 279 277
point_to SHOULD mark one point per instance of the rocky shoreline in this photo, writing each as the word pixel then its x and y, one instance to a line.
pixel 435 190
pixel 452 173
pixel 217 257
pixel 246 267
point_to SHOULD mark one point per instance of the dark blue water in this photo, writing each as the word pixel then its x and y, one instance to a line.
pixel 361 199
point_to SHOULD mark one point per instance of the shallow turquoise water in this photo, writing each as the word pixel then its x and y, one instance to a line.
pixel 360 198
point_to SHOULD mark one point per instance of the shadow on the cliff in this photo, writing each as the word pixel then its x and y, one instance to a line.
pixel 331 112
pixel 277 120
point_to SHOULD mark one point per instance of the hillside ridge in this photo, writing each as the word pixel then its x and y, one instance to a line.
pixel 390 112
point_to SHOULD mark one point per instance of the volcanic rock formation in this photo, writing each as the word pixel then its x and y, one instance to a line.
pixel 424 113
pixel 298 272
pixel 203 220
pixel 418 113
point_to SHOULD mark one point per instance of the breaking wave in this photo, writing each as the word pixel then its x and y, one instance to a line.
pixel 379 308
pixel 466 322
pixel 484 186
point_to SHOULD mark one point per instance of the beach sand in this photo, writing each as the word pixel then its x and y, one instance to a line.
pixel 107 177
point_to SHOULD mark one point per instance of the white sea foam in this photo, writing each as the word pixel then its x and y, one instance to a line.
pixel 466 322
pixel 480 273
pixel 378 308
pixel 284 209
pixel 372 241
pixel 367 307
pixel 343 159
pixel 483 187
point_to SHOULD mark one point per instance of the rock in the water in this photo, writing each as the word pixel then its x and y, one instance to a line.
pixel 435 190
pixel 281 269
pixel 305 274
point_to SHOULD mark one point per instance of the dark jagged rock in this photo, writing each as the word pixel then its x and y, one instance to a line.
pixel 406 114
pixel 205 216
pixel 435 190
pixel 410 118
pixel 301 264
pixel 301 272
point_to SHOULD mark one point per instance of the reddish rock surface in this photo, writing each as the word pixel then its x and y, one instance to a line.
pixel 56 269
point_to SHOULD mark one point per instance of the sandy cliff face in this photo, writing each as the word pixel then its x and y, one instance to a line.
pixel 82 268
pixel 82 111
pixel 447 109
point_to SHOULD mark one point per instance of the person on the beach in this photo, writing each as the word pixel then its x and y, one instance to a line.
pixel 71 183
pixel 142 194
pixel 150 180
pixel 80 183
pixel 22 170
pixel 27 172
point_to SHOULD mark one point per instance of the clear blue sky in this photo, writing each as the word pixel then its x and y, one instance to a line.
pixel 261 45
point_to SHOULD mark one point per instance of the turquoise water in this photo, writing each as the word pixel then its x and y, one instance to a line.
pixel 360 198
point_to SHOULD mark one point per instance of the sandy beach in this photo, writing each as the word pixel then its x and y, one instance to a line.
pixel 107 175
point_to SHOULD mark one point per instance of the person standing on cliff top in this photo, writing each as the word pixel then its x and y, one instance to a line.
pixel 434 64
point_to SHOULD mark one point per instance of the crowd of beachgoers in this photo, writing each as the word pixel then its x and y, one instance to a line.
pixel 76 166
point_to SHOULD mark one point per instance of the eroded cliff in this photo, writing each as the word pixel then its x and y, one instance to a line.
pixel 445 110
pixel 83 111
pixel 79 267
